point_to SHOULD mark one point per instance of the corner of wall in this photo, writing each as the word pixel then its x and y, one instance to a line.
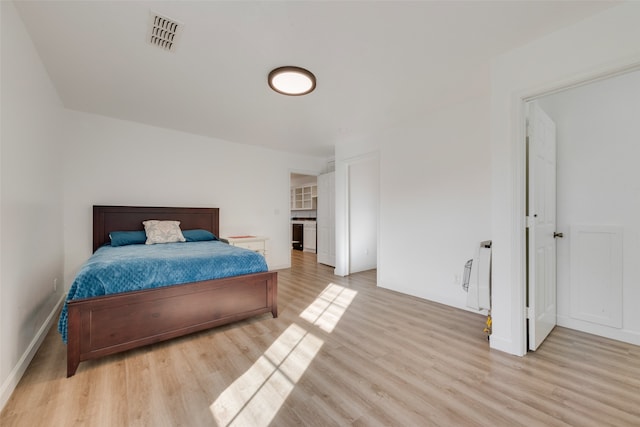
pixel 505 345
pixel 31 201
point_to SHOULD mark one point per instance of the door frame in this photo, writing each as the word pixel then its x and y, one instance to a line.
pixel 519 241
pixel 343 211
pixel 288 211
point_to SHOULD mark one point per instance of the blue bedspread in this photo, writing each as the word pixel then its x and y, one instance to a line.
pixel 112 270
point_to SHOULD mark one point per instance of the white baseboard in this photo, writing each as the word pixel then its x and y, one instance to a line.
pixel 18 371
pixel 444 300
pixel 624 335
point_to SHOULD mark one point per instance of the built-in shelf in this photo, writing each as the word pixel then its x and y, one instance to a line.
pixel 304 197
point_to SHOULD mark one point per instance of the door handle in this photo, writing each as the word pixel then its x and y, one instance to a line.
pixel 557 235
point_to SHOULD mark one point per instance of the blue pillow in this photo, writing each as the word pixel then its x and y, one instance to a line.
pixel 198 235
pixel 123 238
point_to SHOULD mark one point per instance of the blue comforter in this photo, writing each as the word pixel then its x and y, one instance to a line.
pixel 112 270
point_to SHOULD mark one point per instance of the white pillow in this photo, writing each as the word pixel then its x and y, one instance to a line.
pixel 162 231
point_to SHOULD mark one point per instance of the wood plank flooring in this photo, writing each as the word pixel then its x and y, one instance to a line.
pixel 342 353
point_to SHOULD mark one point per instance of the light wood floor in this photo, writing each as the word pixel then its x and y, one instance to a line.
pixel 342 352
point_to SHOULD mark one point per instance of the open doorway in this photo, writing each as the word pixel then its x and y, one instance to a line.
pixel 303 212
pixel 363 200
pixel 597 206
pixel 357 208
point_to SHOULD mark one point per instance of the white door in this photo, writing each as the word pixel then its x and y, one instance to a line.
pixel 541 311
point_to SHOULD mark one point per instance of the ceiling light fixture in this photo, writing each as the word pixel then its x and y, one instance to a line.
pixel 294 81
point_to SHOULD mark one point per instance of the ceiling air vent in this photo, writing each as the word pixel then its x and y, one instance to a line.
pixel 163 32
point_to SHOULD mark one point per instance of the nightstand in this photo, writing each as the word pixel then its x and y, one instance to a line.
pixel 254 243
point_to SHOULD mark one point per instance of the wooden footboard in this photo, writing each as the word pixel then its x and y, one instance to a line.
pixel 110 324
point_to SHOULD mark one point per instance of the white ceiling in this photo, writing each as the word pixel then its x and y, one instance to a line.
pixel 377 63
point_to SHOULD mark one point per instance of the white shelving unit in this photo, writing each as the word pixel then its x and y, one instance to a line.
pixel 304 197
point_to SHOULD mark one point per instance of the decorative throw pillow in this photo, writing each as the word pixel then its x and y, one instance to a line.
pixel 162 231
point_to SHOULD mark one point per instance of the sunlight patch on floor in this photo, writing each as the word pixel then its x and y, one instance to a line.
pixel 255 398
pixel 325 312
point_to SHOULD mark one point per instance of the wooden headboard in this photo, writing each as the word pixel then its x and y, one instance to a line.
pixel 129 218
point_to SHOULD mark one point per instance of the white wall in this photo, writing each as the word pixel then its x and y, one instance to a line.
pixel 602 44
pixel 435 201
pixel 598 184
pixel 115 162
pixel 31 241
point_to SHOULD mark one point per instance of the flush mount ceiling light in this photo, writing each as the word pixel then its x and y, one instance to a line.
pixel 292 81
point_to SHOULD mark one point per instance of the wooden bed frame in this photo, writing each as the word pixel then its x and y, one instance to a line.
pixel 110 324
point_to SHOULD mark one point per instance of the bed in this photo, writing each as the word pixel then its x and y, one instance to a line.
pixel 103 325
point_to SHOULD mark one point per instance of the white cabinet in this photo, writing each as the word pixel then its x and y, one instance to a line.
pixel 326 219
pixel 309 236
pixel 304 197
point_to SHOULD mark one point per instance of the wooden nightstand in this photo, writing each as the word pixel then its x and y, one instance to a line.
pixel 255 243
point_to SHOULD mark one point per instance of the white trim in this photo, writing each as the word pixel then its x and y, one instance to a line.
pixel 346 258
pixel 625 335
pixel 342 252
pixel 18 371
pixel 518 241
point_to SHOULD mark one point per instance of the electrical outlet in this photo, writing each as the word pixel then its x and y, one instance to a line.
pixel 55 284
